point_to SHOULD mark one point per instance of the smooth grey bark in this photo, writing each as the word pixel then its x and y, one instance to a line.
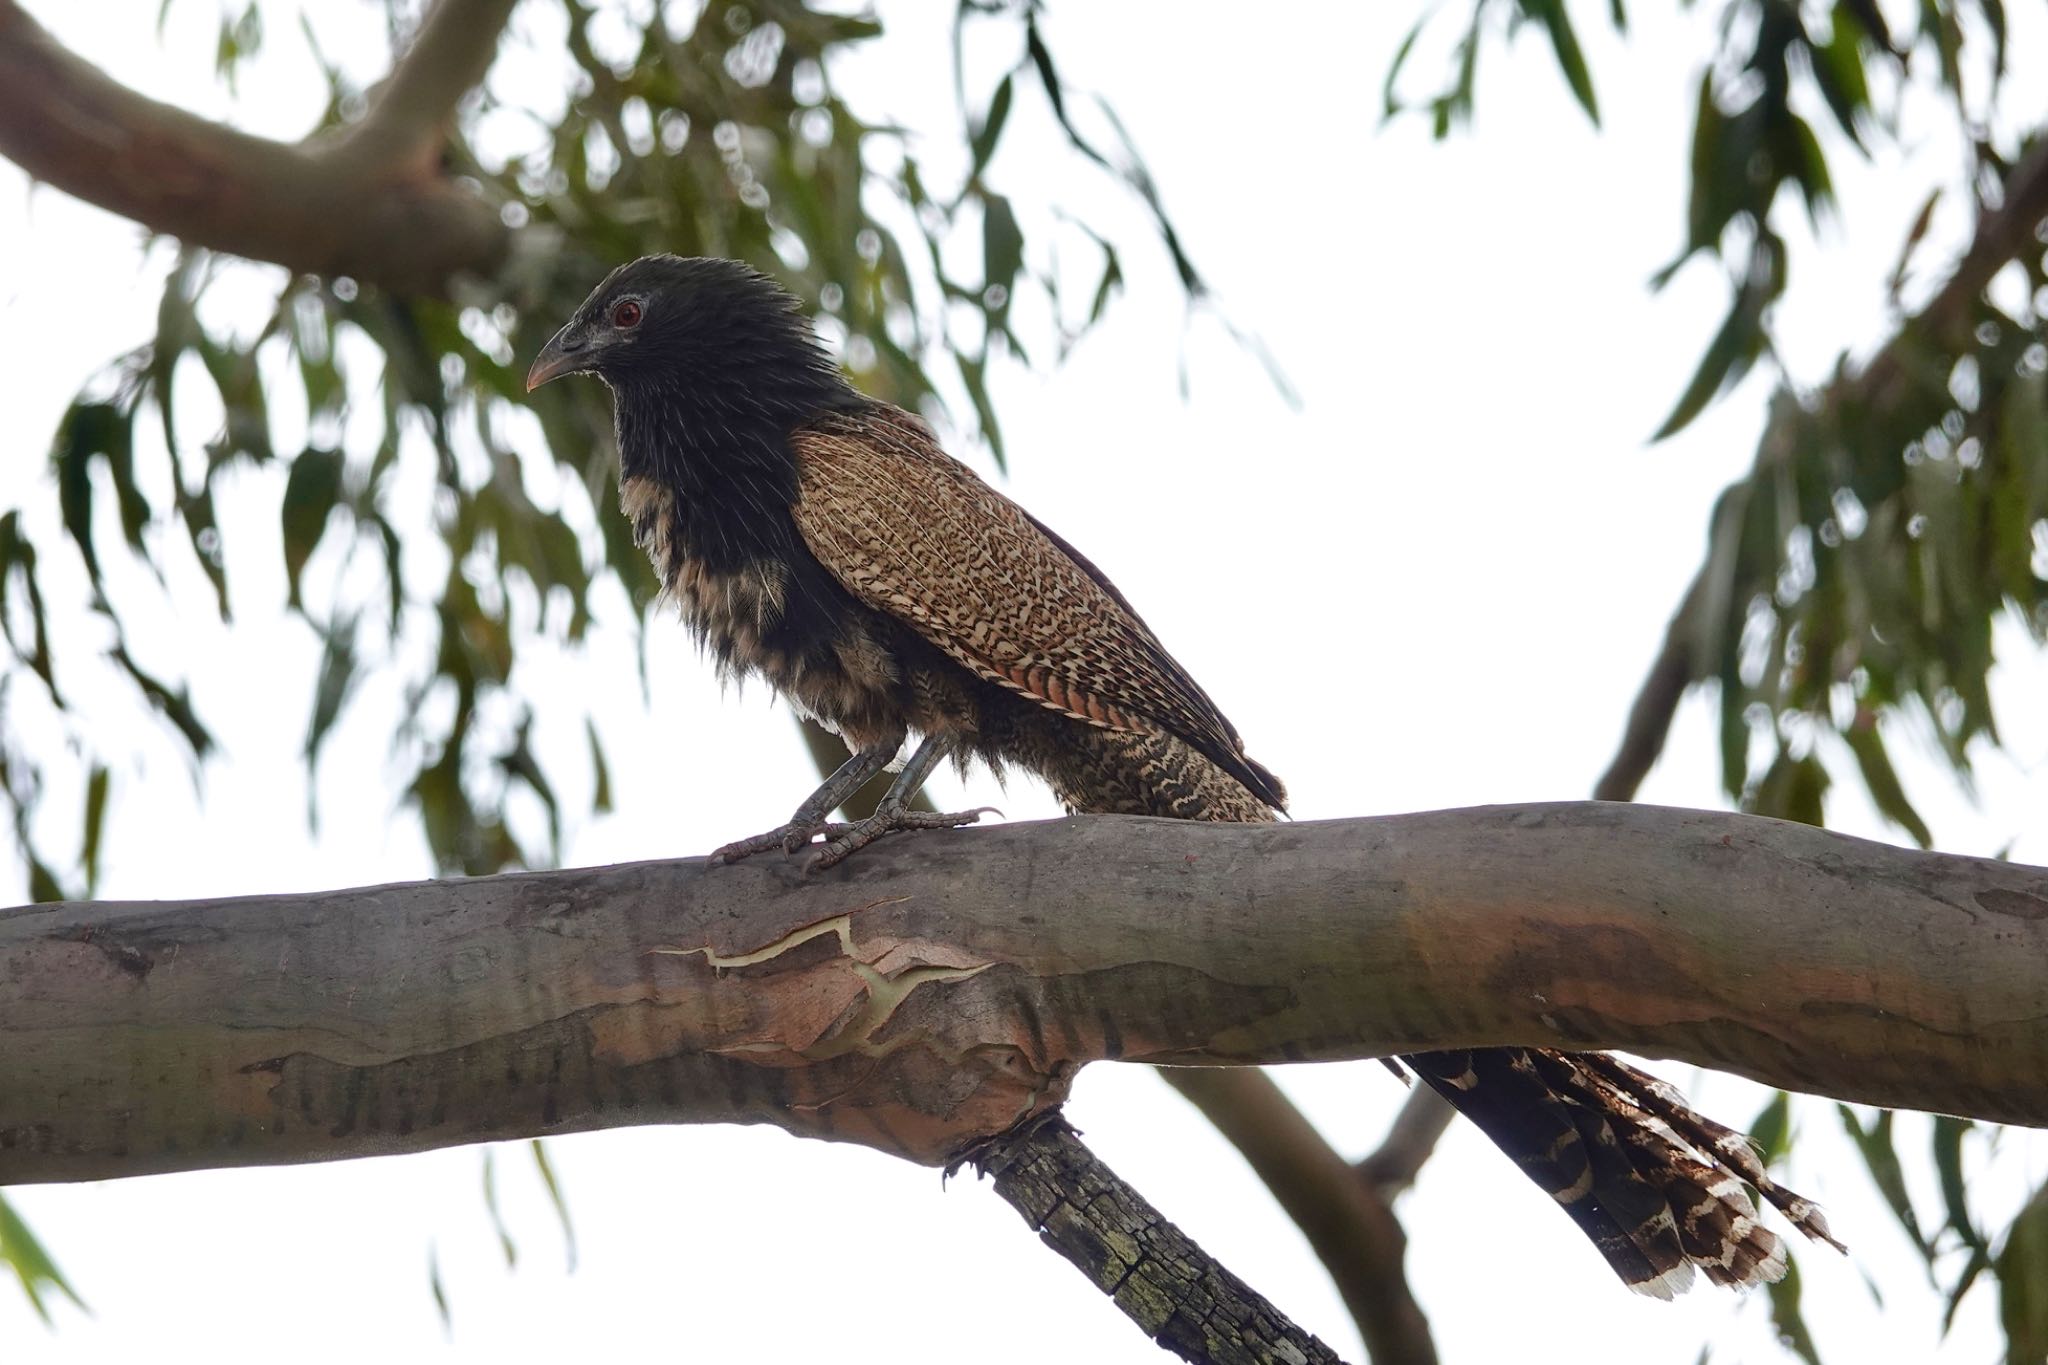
pixel 939 987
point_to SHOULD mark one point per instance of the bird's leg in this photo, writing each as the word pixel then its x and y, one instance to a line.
pixel 810 818
pixel 893 813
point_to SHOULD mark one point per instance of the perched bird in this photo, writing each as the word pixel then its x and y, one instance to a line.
pixel 823 541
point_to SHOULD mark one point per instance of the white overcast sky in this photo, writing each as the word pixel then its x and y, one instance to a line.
pixel 1438 583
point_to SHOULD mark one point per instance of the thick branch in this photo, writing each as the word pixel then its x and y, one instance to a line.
pixel 330 208
pixel 1943 326
pixel 1349 1224
pixel 940 987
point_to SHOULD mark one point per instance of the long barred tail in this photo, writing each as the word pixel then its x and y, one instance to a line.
pixel 1657 1187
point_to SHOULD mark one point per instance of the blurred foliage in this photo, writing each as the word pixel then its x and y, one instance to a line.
pixel 1853 579
pixel 37 1274
pixel 1753 151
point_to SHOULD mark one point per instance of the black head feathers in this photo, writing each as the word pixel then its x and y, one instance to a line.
pixel 718 329
pixel 712 365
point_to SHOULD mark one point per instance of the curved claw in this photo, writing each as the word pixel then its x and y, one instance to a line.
pixel 844 840
pixel 788 837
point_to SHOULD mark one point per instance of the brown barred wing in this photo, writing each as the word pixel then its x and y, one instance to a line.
pixel 912 532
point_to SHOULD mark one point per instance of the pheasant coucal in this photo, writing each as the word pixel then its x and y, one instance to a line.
pixel 823 541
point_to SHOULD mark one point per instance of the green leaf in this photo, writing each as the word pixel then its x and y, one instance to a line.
pixel 1771 1129
pixel 1948 1164
pixel 1571 60
pixel 974 374
pixel 601 796
pixel 1793 1333
pixel 331 692
pixel 519 762
pixel 438 1288
pixel 1994 19
pixel 310 494
pixel 1882 1158
pixel 1882 780
pixel 43 886
pixel 1112 281
pixel 175 706
pixel 505 1242
pixel 33 1269
pixel 2022 1269
pixel 1729 355
pixel 1390 102
pixel 1056 95
pixel 88 430
pixel 1793 789
pixel 983 144
pixel 1838 71
pixel 1808 166
pixel 554 1188
pixel 95 821
pixel 18 566
pixel 1002 244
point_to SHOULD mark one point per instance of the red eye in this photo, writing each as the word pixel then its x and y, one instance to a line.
pixel 625 313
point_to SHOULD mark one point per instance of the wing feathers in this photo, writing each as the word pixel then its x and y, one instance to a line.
pixel 911 531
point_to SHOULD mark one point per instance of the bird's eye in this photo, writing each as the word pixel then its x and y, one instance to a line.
pixel 625 313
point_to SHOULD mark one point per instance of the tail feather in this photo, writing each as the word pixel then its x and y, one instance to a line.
pixel 1657 1188
pixel 1726 1146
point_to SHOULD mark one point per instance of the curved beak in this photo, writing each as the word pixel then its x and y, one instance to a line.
pixel 565 353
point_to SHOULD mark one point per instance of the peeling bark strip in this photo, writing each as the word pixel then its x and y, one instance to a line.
pixel 941 987
pixel 1176 1292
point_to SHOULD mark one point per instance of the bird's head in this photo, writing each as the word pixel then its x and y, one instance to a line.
pixel 700 323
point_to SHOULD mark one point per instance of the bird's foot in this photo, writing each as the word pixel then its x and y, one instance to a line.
pixel 841 841
pixel 789 838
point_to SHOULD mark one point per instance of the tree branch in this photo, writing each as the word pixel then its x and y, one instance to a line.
pixel 940 988
pixel 1349 1225
pixel 330 208
pixel 1943 326
pixel 411 110
pixel 1393 1165
pixel 1177 1293
pixel 1650 715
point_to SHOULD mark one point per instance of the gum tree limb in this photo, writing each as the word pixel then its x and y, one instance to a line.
pixel 369 202
pixel 942 987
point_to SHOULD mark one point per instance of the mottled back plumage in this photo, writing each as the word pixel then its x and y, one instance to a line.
pixel 913 533
pixel 824 542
